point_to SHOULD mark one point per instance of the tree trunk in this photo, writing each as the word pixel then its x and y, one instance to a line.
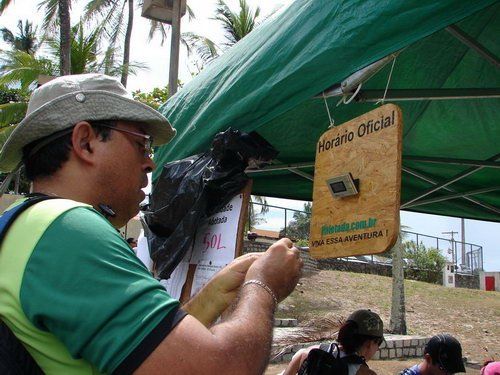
pixel 65 36
pixel 126 48
pixel 398 312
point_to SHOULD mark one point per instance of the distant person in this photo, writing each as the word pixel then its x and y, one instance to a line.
pixel 490 367
pixel 442 355
pixel 132 242
pixel 358 340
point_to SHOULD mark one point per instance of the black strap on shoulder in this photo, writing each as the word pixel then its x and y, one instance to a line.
pixel 14 358
pixel 350 358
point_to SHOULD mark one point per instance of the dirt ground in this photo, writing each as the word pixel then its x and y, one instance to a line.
pixel 380 367
pixel 472 316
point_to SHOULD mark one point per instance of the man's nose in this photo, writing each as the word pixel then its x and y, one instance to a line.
pixel 150 165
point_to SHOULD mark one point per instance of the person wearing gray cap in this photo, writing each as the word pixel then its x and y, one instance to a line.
pixel 71 289
pixel 442 356
pixel 358 340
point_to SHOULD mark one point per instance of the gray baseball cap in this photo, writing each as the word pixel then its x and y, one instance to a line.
pixel 369 323
pixel 64 101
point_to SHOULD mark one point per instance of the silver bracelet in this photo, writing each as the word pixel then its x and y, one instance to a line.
pixel 263 286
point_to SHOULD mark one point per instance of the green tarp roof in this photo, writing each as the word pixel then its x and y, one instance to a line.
pixel 269 80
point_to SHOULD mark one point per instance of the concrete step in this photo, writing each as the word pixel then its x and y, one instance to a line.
pixel 394 347
pixel 285 322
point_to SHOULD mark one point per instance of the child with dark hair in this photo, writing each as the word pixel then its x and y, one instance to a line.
pixel 442 356
pixel 359 337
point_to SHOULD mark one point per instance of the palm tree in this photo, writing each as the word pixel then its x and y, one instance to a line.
pixel 65 37
pixel 117 18
pixel 236 25
pixel 61 8
pixel 22 70
pixel 57 16
pixel 112 16
pixel 26 39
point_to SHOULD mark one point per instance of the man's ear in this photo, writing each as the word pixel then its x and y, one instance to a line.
pixel 84 140
pixel 428 358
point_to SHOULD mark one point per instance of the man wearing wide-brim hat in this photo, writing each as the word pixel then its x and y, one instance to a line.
pixel 71 289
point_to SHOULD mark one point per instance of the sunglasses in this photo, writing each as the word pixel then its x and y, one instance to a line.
pixel 148 140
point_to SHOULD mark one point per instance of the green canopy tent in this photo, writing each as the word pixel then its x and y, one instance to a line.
pixel 445 78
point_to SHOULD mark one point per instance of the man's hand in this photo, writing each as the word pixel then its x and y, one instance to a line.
pixel 226 283
pixel 279 268
pixel 218 294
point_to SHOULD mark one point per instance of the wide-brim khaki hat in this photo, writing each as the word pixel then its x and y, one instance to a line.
pixel 65 101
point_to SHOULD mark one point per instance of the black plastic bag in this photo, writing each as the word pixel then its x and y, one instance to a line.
pixel 194 188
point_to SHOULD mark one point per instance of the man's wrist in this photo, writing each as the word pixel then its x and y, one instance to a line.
pixel 263 286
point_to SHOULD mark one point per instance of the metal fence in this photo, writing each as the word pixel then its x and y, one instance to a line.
pixel 467 257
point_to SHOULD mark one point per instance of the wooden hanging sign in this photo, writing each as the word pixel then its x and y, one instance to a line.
pixel 357 186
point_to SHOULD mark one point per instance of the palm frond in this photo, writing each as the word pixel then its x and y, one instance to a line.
pixel 50 20
pixel 224 15
pixel 84 49
pixel 316 330
pixel 133 68
pixel 21 68
pixel 11 114
pixel 236 24
pixel 114 24
pixel 95 8
pixel 7 36
pixel 205 48
pixel 191 15
pixel 158 27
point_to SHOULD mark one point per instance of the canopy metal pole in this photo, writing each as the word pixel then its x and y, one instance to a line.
pixel 433 182
pixel 425 159
pixel 448 182
pixel 453 196
pixel 396 95
pixel 302 174
pixel 349 84
pixel 471 162
pixel 473 44
pixel 280 167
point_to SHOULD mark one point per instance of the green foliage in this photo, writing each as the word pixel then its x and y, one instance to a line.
pixel 21 68
pixel 424 258
pixel 10 95
pixel 236 24
pixel 154 98
pixel 254 216
pixel 26 39
pixel 298 228
pixel 13 106
pixel 11 114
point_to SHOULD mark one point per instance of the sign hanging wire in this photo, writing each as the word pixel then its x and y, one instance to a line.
pixel 382 101
pixel 332 122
